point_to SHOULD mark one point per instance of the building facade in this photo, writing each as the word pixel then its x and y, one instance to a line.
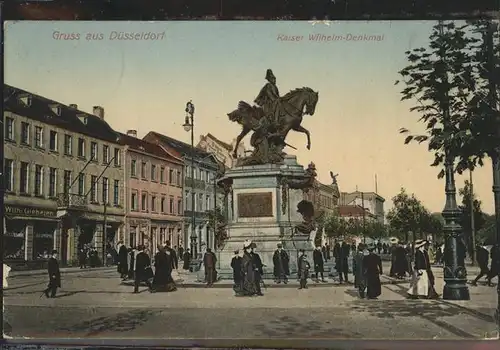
pixel 154 201
pixel 61 166
pixel 198 235
pixel 222 151
pixel 371 201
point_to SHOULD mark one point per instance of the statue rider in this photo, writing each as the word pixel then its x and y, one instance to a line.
pixel 269 97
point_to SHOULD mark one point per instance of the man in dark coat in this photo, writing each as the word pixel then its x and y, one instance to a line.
pixel 327 252
pixel 122 260
pixel 181 252
pixel 495 262
pixel 186 259
pixel 400 263
pixel 236 266
pixel 281 262
pixel 482 257
pixel 342 263
pixel 143 271
pixel 54 276
pixel 372 269
pixel 209 261
pixel 318 264
pixel 258 268
pixel 82 257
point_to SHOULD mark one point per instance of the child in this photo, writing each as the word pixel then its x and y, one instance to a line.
pixel 303 269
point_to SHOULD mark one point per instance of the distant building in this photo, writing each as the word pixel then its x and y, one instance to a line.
pixel 355 212
pixel 221 150
pixel 153 194
pixel 371 201
pixel 61 167
pixel 203 185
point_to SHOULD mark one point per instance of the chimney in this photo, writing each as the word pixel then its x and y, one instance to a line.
pixel 73 106
pixel 132 133
pixel 99 112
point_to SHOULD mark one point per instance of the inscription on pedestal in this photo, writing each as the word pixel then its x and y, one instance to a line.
pixel 255 205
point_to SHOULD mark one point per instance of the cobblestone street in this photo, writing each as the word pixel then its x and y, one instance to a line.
pixel 93 303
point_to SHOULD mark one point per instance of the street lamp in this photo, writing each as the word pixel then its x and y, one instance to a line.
pixel 189 126
pixel 455 273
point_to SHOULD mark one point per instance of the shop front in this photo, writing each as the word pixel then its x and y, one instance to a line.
pixel 30 235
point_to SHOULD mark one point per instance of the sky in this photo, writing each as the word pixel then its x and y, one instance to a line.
pixel 145 84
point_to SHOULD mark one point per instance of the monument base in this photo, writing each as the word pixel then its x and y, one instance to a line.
pixel 259 212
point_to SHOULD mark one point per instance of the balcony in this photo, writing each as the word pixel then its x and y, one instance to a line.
pixel 197 214
pixel 194 183
pixel 71 201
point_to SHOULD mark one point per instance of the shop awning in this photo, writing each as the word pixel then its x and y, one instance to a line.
pixel 98 217
pixel 31 218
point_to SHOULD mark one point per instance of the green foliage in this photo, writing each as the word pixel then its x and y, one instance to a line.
pixel 218 218
pixel 336 226
pixel 409 215
pixel 440 79
pixel 465 218
pixel 487 234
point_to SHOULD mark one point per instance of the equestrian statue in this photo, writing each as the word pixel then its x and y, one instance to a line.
pixel 271 119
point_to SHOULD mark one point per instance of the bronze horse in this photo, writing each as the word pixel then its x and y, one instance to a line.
pixel 290 113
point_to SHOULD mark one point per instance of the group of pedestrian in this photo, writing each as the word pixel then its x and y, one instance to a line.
pixel 341 253
pixel 135 263
pixel 367 268
pixel 247 271
pixel 87 256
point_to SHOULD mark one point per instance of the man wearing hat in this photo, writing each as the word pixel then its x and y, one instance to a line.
pixel 422 285
pixel 236 266
pixel 281 262
pixel 269 97
pixel 54 276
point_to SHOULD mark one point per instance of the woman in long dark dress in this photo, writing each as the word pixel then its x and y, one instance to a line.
pixel 163 281
pixel 187 259
pixel 372 267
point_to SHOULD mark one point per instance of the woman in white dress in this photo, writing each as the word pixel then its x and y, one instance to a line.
pixel 422 284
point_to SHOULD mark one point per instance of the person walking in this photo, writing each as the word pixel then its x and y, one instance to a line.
pixel 186 258
pixel 54 276
pixel 258 268
pixel 209 261
pixel 236 266
pixel 372 269
pixel 281 262
pixel 358 270
pixel 482 257
pixel 143 270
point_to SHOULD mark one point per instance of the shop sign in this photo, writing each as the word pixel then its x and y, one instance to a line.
pixel 44 235
pixel 30 211
pixel 14 234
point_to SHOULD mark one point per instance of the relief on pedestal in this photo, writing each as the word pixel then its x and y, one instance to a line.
pixel 255 205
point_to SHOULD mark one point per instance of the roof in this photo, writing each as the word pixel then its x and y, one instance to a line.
pixel 349 197
pixel 179 146
pixel 40 110
pixel 147 147
pixel 221 143
pixel 351 210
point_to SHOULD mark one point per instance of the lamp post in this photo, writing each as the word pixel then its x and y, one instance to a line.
pixel 455 273
pixel 189 126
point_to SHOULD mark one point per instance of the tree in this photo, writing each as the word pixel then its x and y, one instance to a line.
pixel 438 79
pixel 218 218
pixel 335 226
pixel 487 235
pixel 465 218
pixel 408 215
pixel 376 229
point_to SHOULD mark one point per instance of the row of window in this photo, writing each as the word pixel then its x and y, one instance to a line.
pixel 53 144
pixel 157 173
pixel 155 204
pixel 199 174
pixel 201 202
pixel 53 174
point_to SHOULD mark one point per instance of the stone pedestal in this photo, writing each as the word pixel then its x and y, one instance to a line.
pixel 261 214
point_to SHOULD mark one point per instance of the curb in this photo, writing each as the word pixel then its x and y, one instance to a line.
pixel 14 274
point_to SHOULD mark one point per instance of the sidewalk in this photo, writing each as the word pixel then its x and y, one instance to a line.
pixel 64 270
